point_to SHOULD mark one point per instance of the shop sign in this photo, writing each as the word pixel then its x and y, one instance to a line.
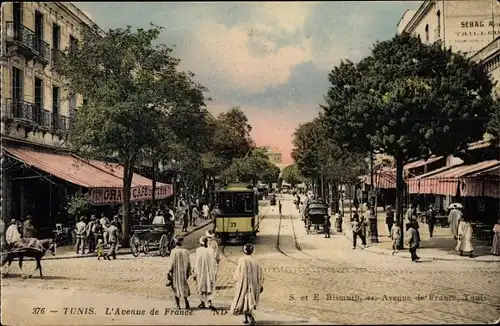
pixel 103 196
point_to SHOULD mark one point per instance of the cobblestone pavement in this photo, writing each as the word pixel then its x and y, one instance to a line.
pixel 362 287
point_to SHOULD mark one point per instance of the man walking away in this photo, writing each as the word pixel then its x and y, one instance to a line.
pixel 12 234
pixel 89 232
pixel 80 230
pixel 212 243
pixel 104 223
pixel 413 241
pixel 28 228
pixel 389 219
pixel 453 220
pixel 113 240
pixel 357 231
pixel 185 222
pixel 326 226
pixel 178 273
pixel 249 285
pixel 464 242
pixel 204 273
pixel 195 215
pixel 206 211
pixel 430 217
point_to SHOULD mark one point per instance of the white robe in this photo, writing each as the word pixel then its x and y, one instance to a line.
pixel 180 269
pixel 212 243
pixel 249 280
pixel 464 242
pixel 12 235
pixel 204 269
pixel 453 220
pixel 206 210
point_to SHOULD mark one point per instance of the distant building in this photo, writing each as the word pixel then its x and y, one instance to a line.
pixel 274 155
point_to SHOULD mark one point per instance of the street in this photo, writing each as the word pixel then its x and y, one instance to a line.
pixel 321 280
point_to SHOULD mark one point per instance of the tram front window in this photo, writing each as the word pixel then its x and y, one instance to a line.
pixel 231 203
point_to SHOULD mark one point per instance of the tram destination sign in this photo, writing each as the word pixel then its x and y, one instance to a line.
pixel 105 196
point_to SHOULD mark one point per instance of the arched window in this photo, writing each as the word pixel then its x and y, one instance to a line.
pixel 427 34
pixel 439 23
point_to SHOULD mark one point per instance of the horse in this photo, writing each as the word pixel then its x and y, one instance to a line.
pixel 20 253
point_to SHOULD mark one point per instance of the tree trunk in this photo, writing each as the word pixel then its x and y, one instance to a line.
pixel 153 194
pixel 399 199
pixel 335 197
pixel 128 172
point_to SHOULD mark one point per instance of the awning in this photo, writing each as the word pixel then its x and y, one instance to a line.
pixel 483 184
pixel 385 179
pixel 104 181
pixel 420 163
pixel 448 180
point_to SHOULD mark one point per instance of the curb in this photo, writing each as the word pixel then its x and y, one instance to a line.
pixel 388 253
pixel 119 253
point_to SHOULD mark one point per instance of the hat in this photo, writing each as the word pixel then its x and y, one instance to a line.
pixel 92 218
pixel 209 234
pixel 178 240
pixel 203 240
pixel 248 248
pixel 13 221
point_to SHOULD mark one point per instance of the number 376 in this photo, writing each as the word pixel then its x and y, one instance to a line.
pixel 38 311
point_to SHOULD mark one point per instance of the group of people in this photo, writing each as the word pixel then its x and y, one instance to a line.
pixel 20 234
pixel 248 276
pixel 98 234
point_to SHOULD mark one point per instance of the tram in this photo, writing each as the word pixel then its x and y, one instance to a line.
pixel 237 212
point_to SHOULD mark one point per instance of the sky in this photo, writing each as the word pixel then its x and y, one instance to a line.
pixel 271 59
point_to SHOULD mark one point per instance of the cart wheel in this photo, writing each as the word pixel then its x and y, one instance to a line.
pixel 145 247
pixel 163 248
pixel 135 245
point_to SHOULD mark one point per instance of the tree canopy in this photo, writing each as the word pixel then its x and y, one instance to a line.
pixel 133 90
pixel 292 174
pixel 252 168
pixel 408 100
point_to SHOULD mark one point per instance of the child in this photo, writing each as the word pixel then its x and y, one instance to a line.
pixel 395 236
pixel 100 249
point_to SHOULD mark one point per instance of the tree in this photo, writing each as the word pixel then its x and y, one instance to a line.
pixel 130 86
pixel 408 100
pixel 292 175
pixel 253 167
pixel 78 205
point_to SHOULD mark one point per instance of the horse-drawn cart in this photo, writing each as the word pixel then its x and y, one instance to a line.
pixel 314 214
pixel 146 236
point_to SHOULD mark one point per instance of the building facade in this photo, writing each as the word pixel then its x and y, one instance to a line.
pixel 463 25
pixel 274 155
pixel 36 108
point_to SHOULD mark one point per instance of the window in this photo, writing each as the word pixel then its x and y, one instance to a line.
pixel 17 84
pixel 427 34
pixel 56 36
pixel 18 15
pixel 38 31
pixel 56 96
pixel 72 104
pixel 236 203
pixel 73 42
pixel 439 23
pixel 38 99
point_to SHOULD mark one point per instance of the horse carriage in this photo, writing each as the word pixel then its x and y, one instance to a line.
pixel 314 215
pixel 31 247
pixel 146 236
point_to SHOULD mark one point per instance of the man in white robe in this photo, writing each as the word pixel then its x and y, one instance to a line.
pixel 453 220
pixel 212 243
pixel 204 273
pixel 12 234
pixel 178 273
pixel 464 241
pixel 249 279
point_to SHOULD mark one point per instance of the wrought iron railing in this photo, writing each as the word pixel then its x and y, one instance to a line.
pixel 43 49
pixel 28 113
pixel 59 123
pixel 21 34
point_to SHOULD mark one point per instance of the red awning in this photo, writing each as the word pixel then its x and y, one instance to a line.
pixel 104 181
pixel 448 180
pixel 385 179
pixel 65 167
pixel 483 184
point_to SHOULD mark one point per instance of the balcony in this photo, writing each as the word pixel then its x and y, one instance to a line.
pixel 33 118
pixel 23 41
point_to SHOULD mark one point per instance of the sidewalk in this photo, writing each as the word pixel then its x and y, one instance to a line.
pixel 68 252
pixel 440 247
pixel 74 306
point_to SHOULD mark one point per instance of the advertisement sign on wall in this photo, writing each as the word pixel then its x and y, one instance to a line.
pixel 106 196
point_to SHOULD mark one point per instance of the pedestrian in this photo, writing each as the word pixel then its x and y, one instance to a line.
pixel 185 220
pixel 495 248
pixel 395 236
pixel 430 217
pixel 279 206
pixel 413 241
pixel 454 219
pixel 90 234
pixel 100 249
pixel 159 220
pixel 104 223
pixel 80 230
pixel 178 273
pixel 326 226
pixel 464 241
pixel 206 211
pixel 357 231
pixel 249 279
pixel 389 219
pixel 2 233
pixel 12 235
pixel 195 214
pixel 363 224
pixel 212 243
pixel 204 273
pixel 28 228
pixel 112 240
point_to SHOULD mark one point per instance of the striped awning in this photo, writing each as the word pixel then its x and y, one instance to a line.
pixel 448 180
pixel 384 179
pixel 483 184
